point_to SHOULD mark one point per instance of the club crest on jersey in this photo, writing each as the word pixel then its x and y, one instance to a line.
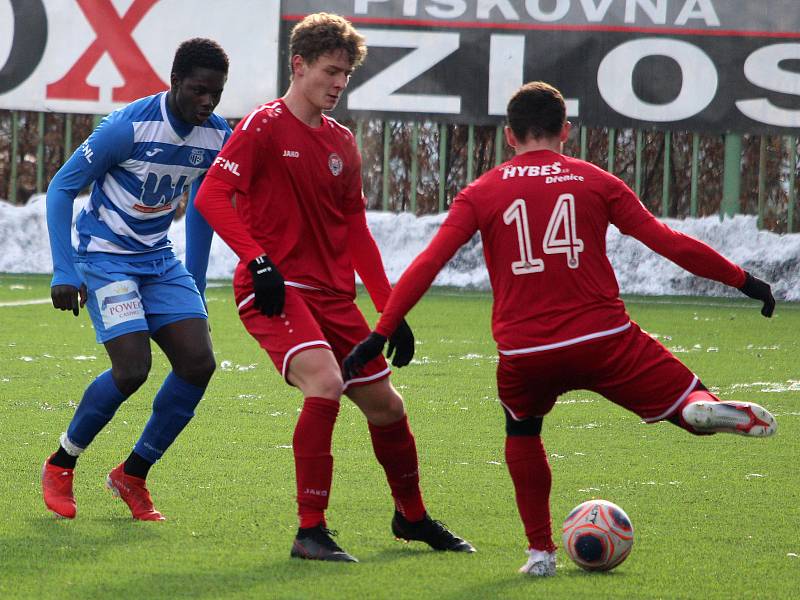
pixel 335 164
pixel 197 155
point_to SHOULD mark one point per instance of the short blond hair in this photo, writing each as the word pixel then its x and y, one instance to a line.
pixel 320 33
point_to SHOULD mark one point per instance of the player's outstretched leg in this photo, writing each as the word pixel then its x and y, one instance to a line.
pixel 432 532
pixel 541 563
pixel 135 494
pixel 316 543
pixel 706 414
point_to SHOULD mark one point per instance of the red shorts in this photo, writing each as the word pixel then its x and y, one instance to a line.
pixel 310 319
pixel 630 369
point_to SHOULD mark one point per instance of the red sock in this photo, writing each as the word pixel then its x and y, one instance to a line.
pixel 527 463
pixel 695 396
pixel 313 460
pixel 397 453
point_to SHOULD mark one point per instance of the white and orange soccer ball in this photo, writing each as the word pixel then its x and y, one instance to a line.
pixel 597 535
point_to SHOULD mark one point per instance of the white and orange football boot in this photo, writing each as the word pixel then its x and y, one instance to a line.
pixel 134 492
pixel 57 490
pixel 743 418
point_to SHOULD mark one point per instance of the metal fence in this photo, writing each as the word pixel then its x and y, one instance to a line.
pixel 420 166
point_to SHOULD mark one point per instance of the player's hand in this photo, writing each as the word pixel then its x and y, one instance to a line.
pixel 401 345
pixel 759 290
pixel 367 349
pixel 68 297
pixel 268 287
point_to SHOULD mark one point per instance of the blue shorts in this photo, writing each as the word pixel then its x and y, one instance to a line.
pixel 124 297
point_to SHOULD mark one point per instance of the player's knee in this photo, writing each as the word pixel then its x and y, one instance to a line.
pixel 131 376
pixel 384 409
pixel 395 408
pixel 198 370
pixel 532 426
pixel 326 385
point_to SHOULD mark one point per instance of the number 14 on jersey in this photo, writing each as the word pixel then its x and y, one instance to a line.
pixel 559 238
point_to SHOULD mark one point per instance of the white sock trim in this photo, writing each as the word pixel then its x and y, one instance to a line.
pixel 69 446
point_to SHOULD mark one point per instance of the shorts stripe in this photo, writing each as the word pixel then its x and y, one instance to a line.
pixel 301 286
pixel 570 342
pixel 249 297
pixel 380 375
pixel 244 302
pixel 675 405
pixel 511 412
pixel 296 349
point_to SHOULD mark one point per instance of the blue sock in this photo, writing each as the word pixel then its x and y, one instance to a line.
pixel 173 408
pixel 99 403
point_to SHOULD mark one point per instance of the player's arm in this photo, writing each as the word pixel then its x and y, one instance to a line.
pixel 702 260
pixel 109 144
pixel 199 236
pixel 368 264
pixel 685 251
pixel 367 260
pixel 214 203
pixel 412 285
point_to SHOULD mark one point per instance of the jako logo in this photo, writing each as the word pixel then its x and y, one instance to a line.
pixel 313 492
pixel 291 153
pixel 227 165
pixel 531 170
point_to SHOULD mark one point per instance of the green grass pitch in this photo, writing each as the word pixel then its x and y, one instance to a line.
pixel 715 517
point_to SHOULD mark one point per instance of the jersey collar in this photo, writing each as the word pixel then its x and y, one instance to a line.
pixel 179 130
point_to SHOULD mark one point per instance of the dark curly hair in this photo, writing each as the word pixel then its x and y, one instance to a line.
pixel 199 52
pixel 320 33
pixel 538 110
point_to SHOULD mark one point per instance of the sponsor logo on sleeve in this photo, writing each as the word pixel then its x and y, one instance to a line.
pixel 227 165
pixel 87 151
pixel 119 302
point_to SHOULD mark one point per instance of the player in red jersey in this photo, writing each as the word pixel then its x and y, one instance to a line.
pixel 299 227
pixel 557 317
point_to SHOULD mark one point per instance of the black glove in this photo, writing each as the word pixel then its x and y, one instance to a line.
pixel 367 349
pixel 268 287
pixel 759 290
pixel 401 344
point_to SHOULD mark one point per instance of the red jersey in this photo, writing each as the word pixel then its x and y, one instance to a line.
pixel 295 187
pixel 543 218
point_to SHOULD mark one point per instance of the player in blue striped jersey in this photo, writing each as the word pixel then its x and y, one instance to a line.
pixel 119 262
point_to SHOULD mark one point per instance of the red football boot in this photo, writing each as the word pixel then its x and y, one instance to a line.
pixel 134 492
pixel 57 490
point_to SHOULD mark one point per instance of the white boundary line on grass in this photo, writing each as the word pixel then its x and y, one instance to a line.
pixel 25 302
pixel 779 306
pixel 782 304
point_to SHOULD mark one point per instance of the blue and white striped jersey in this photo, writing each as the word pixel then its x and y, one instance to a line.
pixel 141 159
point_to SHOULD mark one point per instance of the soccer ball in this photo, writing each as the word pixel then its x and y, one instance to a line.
pixel 597 535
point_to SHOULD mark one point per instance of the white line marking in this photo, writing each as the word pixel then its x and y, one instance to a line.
pixel 25 302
